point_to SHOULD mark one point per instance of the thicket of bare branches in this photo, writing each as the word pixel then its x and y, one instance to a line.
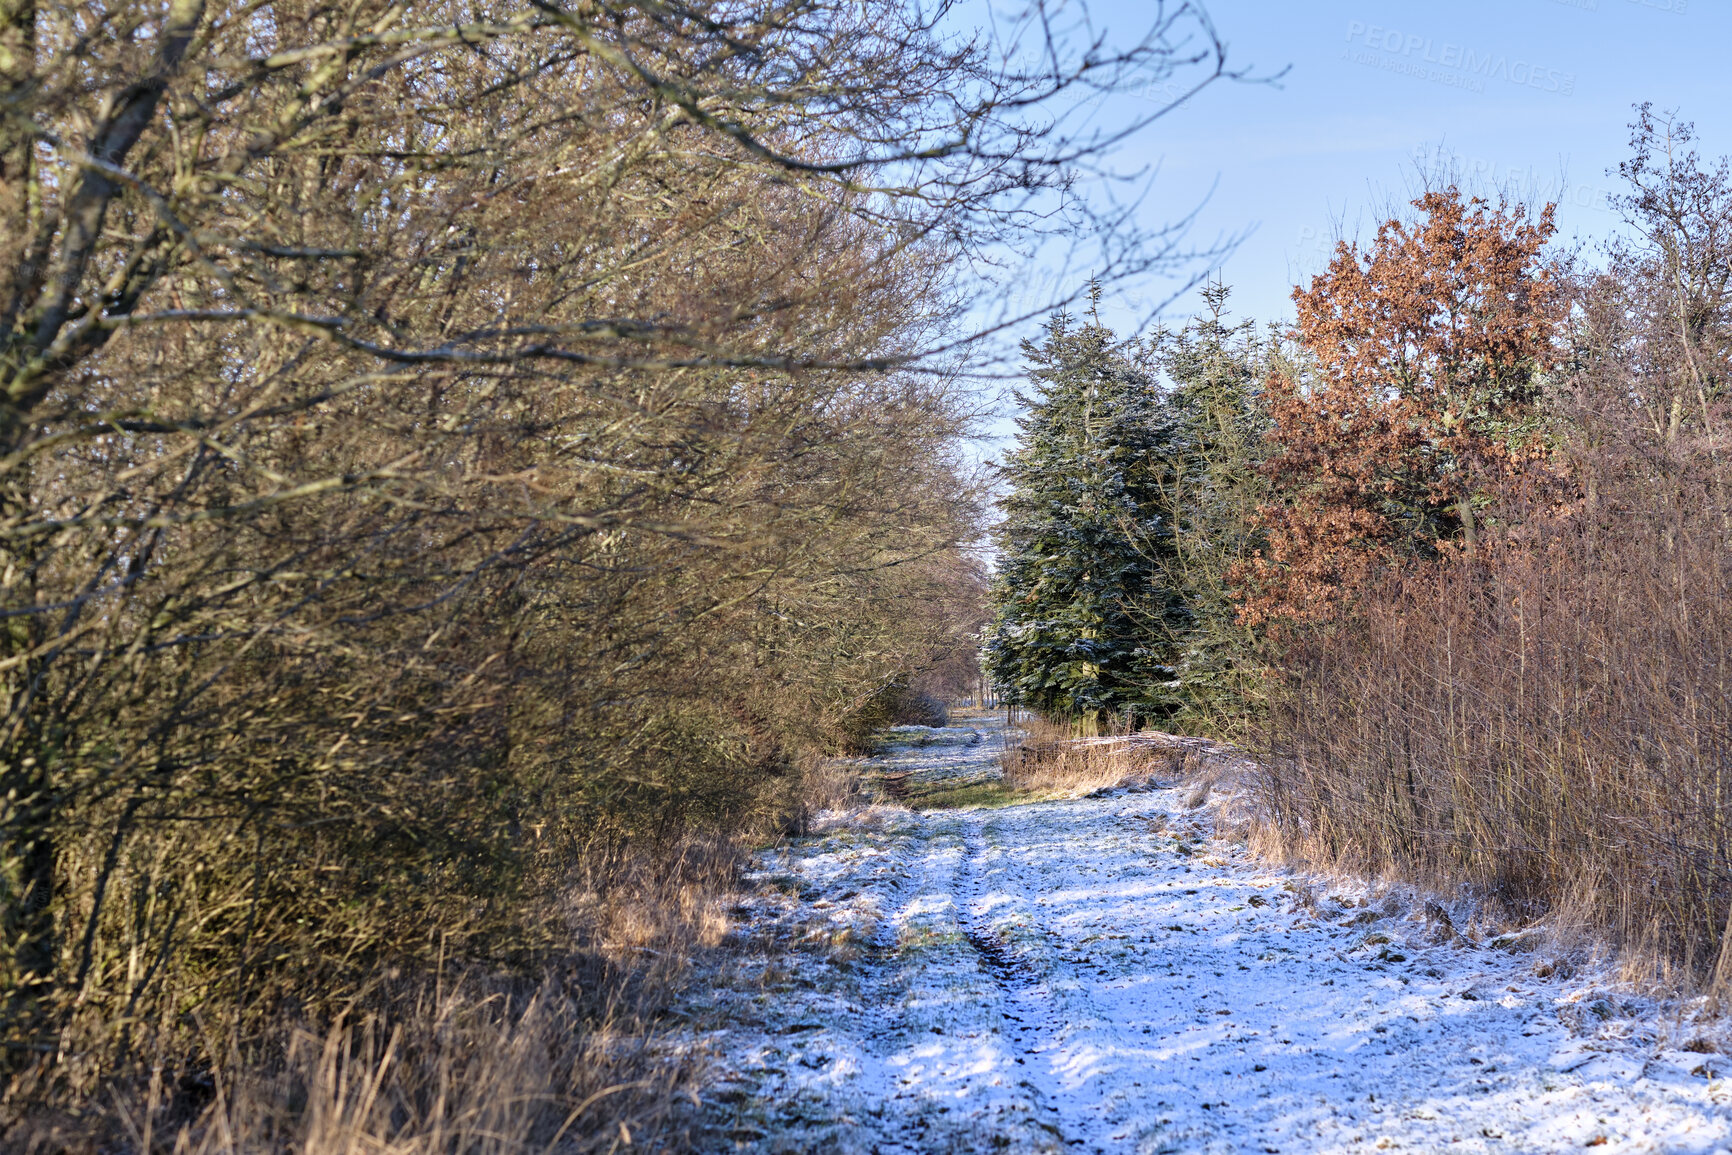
pixel 444 448
pixel 1543 715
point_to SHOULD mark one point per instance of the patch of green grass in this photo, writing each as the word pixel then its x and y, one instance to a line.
pixel 989 795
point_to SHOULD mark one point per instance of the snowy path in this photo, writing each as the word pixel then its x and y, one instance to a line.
pixel 1101 974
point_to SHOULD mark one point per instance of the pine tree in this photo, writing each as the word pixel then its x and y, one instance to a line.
pixel 1083 545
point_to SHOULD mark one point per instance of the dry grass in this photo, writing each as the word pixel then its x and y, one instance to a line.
pixel 826 784
pixel 483 1068
pixel 1051 757
pixel 566 1055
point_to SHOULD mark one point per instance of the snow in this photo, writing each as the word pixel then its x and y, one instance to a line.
pixel 1104 974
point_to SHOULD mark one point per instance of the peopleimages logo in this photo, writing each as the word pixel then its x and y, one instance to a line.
pixel 1449 63
pixel 1528 183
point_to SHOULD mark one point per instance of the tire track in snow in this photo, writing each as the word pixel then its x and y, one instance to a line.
pixel 1076 1023
pixel 1017 975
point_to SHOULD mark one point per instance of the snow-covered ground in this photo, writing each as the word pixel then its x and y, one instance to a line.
pixel 1104 974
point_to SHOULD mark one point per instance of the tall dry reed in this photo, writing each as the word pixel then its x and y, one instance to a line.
pixel 1546 722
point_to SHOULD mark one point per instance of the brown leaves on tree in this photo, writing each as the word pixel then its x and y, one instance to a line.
pixel 1417 394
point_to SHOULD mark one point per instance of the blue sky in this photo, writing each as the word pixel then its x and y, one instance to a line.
pixel 1533 95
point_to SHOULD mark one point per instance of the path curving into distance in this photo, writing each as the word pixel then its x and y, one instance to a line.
pixel 1105 975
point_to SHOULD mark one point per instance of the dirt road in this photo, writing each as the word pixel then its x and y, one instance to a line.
pixel 1104 974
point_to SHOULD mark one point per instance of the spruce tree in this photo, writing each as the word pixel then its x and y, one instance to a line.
pixel 1211 491
pixel 1083 547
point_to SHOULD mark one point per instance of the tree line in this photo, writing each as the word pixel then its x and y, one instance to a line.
pixel 1455 545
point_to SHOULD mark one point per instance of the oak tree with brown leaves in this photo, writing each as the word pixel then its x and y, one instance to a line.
pixel 1419 386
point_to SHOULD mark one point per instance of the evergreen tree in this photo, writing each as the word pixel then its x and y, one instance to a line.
pixel 1081 619
pixel 1211 491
